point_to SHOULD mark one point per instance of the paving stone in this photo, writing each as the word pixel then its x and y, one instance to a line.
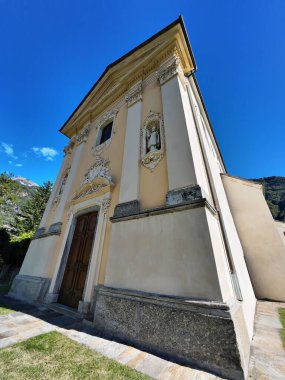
pixel 267 361
pixel 152 366
pixel 268 355
pixel 128 354
pixel 8 332
pixel 7 342
pixel 111 350
pixel 137 359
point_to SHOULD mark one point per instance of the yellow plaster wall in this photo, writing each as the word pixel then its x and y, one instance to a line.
pixel 153 185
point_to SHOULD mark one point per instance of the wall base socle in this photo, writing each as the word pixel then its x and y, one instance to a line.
pixel 186 331
pixel 29 288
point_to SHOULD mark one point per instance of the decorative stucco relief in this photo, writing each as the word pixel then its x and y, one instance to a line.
pixel 61 187
pixel 91 189
pixel 109 116
pixel 83 135
pixel 152 141
pixel 105 205
pixel 170 71
pixel 97 179
pixel 99 169
pixel 69 147
pixel 134 95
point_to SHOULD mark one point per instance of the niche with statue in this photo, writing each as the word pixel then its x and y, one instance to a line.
pixel 152 141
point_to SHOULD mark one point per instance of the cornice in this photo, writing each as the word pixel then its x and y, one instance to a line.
pixel 117 85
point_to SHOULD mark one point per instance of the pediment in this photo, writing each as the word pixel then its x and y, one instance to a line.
pixel 95 188
pixel 132 67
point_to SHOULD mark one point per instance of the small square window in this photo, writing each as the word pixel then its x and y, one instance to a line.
pixel 106 133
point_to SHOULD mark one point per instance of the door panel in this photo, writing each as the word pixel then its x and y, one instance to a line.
pixel 74 278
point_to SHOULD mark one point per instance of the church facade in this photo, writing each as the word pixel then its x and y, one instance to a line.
pixel 138 235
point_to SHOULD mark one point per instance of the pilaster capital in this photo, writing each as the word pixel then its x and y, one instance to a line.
pixel 166 73
pixel 68 148
pixel 82 136
pixel 134 95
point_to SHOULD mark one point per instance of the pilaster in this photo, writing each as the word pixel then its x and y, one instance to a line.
pixel 129 190
pixel 53 193
pixel 80 140
pixel 185 164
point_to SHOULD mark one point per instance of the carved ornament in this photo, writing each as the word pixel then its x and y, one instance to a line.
pixel 105 205
pixel 97 179
pixel 169 72
pixel 69 147
pixel 134 95
pixel 82 136
pixel 61 187
pixel 152 141
pixel 100 169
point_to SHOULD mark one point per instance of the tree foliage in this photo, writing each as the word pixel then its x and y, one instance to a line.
pixel 33 209
pixel 21 210
pixel 274 188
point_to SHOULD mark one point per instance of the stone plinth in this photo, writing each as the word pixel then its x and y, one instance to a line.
pixel 189 332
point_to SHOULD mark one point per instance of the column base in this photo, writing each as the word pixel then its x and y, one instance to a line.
pixel 29 288
pixel 127 208
pixel 84 308
pixel 184 195
pixel 198 333
pixel 51 298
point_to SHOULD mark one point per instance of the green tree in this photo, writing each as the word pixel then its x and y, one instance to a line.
pixel 10 197
pixel 33 209
pixel 9 189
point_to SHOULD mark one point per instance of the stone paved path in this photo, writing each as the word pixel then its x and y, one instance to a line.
pixel 30 321
pixel 267 353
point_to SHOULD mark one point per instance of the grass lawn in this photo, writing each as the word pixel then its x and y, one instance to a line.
pixel 4 310
pixel 53 356
pixel 4 288
pixel 282 319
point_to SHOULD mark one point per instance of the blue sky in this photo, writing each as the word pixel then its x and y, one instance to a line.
pixel 53 51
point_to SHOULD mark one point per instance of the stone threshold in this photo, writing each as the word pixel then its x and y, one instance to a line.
pixel 63 309
pixel 203 202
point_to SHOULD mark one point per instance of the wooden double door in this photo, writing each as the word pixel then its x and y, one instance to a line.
pixel 75 274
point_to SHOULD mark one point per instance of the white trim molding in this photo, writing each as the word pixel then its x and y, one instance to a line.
pixel 101 204
pixel 104 120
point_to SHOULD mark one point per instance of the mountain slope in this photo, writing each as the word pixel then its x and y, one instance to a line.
pixel 274 188
pixel 14 193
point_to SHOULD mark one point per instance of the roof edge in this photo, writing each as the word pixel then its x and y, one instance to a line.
pixel 247 181
pixel 179 20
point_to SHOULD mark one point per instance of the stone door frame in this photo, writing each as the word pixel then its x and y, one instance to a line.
pixel 101 205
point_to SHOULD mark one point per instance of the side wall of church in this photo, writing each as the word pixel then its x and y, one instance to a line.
pixel 263 248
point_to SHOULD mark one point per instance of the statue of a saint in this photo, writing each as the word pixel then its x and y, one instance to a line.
pixel 152 140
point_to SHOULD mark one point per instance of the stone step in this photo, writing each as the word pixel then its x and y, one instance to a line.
pixel 65 310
